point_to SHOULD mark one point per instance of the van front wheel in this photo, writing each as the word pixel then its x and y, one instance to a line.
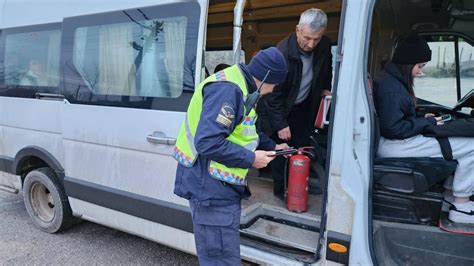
pixel 46 201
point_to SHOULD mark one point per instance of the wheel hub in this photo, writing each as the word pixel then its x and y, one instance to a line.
pixel 42 202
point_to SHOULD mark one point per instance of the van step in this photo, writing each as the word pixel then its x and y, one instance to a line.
pixel 283 234
pixel 279 226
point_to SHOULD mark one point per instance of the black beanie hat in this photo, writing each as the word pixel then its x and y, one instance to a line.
pixel 270 60
pixel 412 50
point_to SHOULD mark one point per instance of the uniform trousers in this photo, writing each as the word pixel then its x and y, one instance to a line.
pixel 216 233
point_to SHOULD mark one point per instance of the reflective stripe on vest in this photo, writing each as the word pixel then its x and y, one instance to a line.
pixel 244 134
pixel 180 156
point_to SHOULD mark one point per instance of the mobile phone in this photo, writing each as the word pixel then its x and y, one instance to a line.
pixel 285 152
pixel 446 118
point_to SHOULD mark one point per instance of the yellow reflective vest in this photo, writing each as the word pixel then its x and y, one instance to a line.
pixel 244 134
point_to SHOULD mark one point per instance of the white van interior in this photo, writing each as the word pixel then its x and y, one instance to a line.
pixel 407 192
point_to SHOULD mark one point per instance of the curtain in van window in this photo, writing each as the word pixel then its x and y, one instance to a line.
pixel 162 63
pixel 139 58
pixel 80 41
pixel 153 82
pixel 117 70
pixel 52 66
pixel 175 37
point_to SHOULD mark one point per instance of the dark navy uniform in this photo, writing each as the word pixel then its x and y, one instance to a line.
pixel 215 204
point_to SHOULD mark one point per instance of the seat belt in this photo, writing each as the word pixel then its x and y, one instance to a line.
pixel 446 149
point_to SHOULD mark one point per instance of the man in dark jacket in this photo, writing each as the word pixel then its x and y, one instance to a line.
pixel 288 114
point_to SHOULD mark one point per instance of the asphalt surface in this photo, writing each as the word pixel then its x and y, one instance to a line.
pixel 85 243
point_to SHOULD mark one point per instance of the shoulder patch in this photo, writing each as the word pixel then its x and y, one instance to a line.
pixel 226 115
pixel 220 76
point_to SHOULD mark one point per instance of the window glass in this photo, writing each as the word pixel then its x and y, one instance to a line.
pixel 139 58
pixel 466 61
pixel 438 83
pixel 215 58
pixel 32 59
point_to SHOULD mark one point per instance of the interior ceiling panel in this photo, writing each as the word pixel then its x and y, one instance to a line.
pixel 427 15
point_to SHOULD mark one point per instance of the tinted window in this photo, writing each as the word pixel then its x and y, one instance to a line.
pixel 143 58
pixel 31 61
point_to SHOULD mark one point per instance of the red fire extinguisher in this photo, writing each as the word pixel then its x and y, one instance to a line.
pixel 298 179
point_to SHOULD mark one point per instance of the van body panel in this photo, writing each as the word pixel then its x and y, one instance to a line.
pixel 41 128
pixel 348 173
pixel 114 146
pixel 166 235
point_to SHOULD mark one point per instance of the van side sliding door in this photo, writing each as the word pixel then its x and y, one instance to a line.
pixel 128 79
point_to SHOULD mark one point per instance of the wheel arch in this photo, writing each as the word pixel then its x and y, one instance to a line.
pixel 33 157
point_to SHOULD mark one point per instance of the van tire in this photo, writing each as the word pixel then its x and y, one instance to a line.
pixel 45 201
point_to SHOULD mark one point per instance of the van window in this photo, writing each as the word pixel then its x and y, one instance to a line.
pixel 133 59
pixel 31 60
pixel 466 63
pixel 140 58
pixel 438 84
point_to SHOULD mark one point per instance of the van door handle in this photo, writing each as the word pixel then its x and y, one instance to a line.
pixel 326 109
pixel 159 137
pixel 49 96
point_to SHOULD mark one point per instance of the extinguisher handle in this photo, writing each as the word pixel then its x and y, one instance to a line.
pixel 285 152
pixel 309 150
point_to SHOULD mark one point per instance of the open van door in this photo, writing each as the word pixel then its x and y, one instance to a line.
pixel 344 223
pixel 128 78
pixel 409 217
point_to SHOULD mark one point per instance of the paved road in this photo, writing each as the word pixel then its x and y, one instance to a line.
pixel 86 243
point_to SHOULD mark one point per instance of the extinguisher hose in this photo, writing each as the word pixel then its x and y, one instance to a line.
pixel 285 177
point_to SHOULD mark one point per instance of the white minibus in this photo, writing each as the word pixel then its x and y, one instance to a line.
pixel 92 95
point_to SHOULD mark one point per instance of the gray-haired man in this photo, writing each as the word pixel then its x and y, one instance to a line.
pixel 288 114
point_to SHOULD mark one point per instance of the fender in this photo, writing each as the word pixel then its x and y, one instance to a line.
pixel 38 152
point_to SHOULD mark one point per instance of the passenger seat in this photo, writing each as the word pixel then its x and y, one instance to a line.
pixel 404 188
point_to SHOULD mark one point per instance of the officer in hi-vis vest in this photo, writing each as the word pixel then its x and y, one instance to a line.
pixel 217 144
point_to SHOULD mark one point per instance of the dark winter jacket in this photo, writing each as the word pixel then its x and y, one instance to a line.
pixel 395 106
pixel 275 107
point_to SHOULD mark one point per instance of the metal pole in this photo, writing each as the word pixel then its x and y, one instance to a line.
pixel 238 20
